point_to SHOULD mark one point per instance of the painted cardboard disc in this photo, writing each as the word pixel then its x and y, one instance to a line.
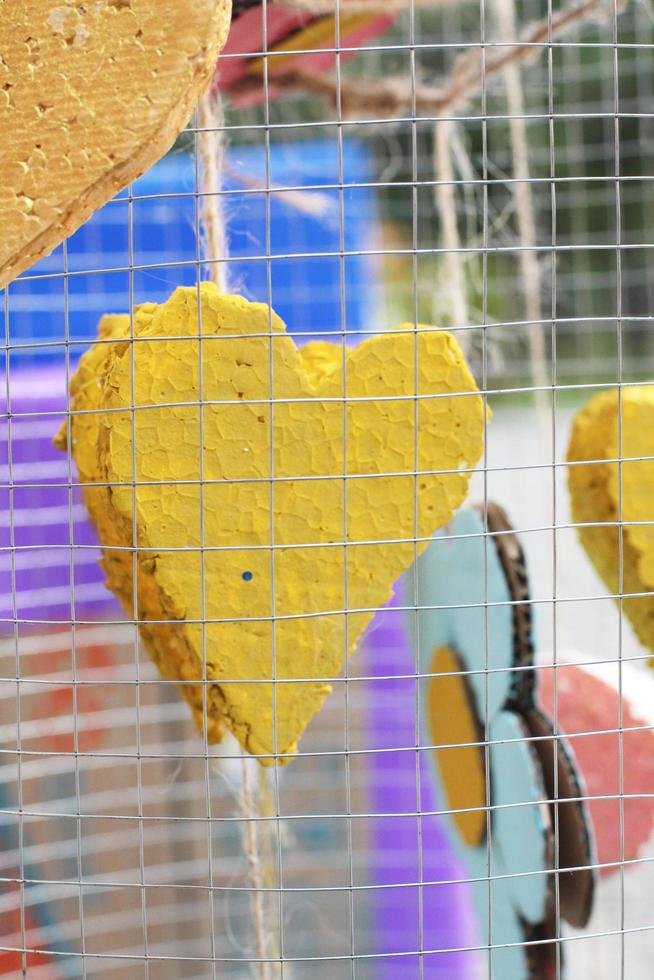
pixel 576 888
pixel 246 40
pixel 465 604
pixel 313 47
pixel 621 742
pixel 304 42
pixel 521 823
pixel 473 601
pixel 514 566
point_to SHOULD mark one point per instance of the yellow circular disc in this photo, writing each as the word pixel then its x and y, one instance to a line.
pixel 453 721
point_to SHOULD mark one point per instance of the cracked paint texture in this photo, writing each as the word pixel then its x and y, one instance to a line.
pixel 91 95
pixel 595 496
pixel 255 386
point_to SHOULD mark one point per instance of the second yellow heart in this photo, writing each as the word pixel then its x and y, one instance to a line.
pixel 615 434
pixel 265 555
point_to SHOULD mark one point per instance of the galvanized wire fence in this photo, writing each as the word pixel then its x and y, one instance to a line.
pixel 131 848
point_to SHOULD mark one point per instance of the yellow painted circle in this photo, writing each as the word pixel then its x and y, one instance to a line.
pixel 453 721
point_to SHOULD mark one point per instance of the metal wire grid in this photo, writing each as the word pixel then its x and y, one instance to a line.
pixel 180 886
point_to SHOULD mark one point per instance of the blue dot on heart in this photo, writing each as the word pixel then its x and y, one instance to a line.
pixel 247 576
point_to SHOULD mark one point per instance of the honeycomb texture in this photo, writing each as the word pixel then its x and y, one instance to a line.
pixel 595 496
pixel 91 95
pixel 256 384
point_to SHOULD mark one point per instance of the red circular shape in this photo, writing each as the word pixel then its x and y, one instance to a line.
pixel 587 705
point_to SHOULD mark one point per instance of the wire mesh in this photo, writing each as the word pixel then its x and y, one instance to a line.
pixel 131 847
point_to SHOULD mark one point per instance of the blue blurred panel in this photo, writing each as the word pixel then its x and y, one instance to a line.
pixel 155 232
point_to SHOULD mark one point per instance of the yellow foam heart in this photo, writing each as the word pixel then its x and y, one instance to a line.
pixel 91 95
pixel 602 491
pixel 267 611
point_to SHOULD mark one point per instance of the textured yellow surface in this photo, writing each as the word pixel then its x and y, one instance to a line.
pixel 91 94
pixel 595 494
pixel 312 584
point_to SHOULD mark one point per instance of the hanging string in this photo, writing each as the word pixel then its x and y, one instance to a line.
pixel 251 845
pixel 211 149
pixel 525 214
pixel 445 196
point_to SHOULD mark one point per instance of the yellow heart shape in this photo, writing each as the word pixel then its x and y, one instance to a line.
pixel 204 526
pixel 602 491
pixel 91 95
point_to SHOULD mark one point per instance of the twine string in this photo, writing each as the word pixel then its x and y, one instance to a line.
pixel 251 846
pixel 445 195
pixel 211 148
pixel 525 215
